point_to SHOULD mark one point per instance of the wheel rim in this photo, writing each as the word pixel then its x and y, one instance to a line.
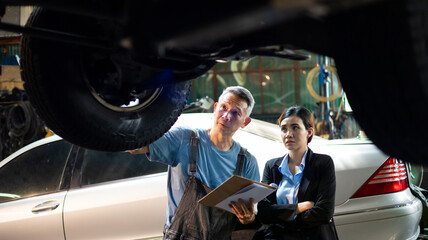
pixel 129 102
pixel 127 108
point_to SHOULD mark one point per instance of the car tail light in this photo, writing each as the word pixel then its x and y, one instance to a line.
pixel 390 177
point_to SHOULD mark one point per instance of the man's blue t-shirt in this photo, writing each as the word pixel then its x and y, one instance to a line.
pixel 213 165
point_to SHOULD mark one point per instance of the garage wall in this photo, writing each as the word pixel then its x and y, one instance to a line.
pixel 275 83
pixel 15 15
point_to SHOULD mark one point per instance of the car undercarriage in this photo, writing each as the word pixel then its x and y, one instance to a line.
pixel 115 75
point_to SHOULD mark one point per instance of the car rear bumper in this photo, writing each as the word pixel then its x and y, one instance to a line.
pixel 387 216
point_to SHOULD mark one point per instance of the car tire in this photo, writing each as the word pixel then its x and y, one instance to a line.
pixel 60 94
pixel 18 120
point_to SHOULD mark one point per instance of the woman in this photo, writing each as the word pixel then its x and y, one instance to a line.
pixel 303 204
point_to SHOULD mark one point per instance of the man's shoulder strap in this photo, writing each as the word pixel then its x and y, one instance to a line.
pixel 241 161
pixel 194 141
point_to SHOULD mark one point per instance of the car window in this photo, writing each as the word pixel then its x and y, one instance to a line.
pixel 34 172
pixel 101 167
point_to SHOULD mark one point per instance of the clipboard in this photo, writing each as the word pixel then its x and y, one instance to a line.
pixel 234 188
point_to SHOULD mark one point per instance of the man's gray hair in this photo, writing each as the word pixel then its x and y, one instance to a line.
pixel 243 94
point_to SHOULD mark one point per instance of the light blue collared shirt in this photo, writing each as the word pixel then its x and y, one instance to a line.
pixel 289 185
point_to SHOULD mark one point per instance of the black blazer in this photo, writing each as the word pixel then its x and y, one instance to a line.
pixel 318 184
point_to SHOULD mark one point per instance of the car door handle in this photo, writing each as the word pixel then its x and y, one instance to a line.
pixel 46 206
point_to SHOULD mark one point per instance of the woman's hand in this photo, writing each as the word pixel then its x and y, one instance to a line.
pixel 244 212
pixel 304 206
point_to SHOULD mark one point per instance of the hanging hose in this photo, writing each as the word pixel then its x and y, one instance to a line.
pixel 311 90
pixel 239 76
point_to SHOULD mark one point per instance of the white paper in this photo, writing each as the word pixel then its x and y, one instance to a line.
pixel 255 191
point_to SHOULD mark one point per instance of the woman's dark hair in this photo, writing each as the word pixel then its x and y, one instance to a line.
pixel 302 113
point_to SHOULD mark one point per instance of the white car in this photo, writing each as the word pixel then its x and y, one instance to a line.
pixel 52 189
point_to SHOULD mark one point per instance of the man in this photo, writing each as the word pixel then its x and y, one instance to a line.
pixel 212 161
